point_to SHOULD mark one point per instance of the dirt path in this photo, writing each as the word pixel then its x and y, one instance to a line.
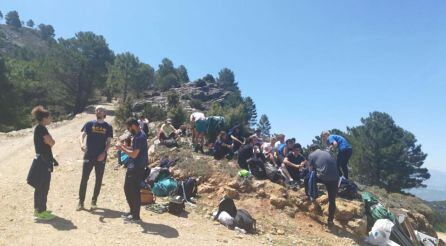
pixel 103 227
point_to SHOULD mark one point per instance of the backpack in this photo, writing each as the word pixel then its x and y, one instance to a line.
pixel 375 210
pixel 170 143
pixel 347 189
pixel 176 205
pixel 256 167
pixel 187 188
pixel 273 173
pixel 244 220
pixel 164 185
pixel 227 205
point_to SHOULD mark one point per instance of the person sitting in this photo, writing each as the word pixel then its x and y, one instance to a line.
pixel 246 152
pixel 268 151
pixel 326 173
pixel 258 137
pixel 256 164
pixel 283 150
pixel 222 147
pixel 167 132
pixel 237 138
pixel 293 163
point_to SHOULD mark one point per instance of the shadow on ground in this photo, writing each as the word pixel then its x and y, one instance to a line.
pixel 105 213
pixel 59 223
pixel 158 229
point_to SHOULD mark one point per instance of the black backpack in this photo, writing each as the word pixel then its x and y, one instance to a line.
pixel 348 189
pixel 176 205
pixel 170 143
pixel 227 205
pixel 187 188
pixel 244 220
pixel 273 173
pixel 257 168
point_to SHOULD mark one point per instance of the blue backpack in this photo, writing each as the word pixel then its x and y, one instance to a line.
pixel 164 186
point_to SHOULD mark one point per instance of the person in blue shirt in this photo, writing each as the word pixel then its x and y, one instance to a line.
pixel 344 150
pixel 135 169
pixel 98 135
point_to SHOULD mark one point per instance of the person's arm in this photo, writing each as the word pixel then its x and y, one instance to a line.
pixel 132 153
pixel 82 141
pixel 102 156
pixel 289 163
pixel 236 139
pixel 48 139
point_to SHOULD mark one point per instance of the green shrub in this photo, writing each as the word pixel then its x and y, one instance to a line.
pixel 178 116
pixel 196 104
pixel 123 112
pixel 154 113
pixel 173 99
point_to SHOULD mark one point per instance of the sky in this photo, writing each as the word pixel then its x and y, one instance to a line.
pixel 309 65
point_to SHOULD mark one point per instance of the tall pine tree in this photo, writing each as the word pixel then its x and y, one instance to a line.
pixel 250 112
pixel 264 126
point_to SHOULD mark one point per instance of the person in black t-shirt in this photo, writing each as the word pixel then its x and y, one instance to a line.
pixel 293 162
pixel 43 165
pixel 222 147
pixel 135 170
pixel 99 134
pixel 246 152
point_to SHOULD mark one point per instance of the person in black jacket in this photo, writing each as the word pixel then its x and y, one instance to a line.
pixel 43 165
pixel 245 153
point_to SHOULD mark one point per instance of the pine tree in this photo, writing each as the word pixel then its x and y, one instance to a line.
pixel 264 125
pixel 250 112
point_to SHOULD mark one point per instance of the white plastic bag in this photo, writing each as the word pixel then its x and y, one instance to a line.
pixel 380 233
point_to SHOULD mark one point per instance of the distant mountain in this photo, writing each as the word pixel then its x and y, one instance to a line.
pixel 436 187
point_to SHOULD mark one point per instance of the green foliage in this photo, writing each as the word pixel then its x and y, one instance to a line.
pixel 173 99
pixel 226 78
pixel 166 76
pixel 265 126
pixel 123 112
pixel 208 78
pixel 250 112
pixel 46 31
pixel 196 104
pixel 200 83
pixel 12 19
pixel 1 15
pixel 154 113
pixel 30 23
pixel 233 115
pixel 439 217
pixel 8 100
pixel 178 116
pixel 386 155
pixel 183 77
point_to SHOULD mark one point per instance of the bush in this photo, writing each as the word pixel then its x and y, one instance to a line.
pixel 123 112
pixel 186 97
pixel 197 104
pixel 173 99
pixel 200 83
pixel 154 113
pixel 178 116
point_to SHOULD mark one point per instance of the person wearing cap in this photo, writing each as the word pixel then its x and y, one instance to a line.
pixel 94 141
pixel 198 125
pixel 344 150
pixel 167 131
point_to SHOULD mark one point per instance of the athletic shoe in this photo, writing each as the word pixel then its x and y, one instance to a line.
pixel 125 215
pixel 80 207
pixel 45 216
pixel 93 205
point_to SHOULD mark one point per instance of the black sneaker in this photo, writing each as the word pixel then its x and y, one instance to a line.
pixel 80 207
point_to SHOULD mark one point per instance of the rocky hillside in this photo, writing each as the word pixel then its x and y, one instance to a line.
pixel 14 40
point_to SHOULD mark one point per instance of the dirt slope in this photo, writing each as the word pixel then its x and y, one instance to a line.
pixel 105 227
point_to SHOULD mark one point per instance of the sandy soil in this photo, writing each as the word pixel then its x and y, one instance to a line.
pixel 104 226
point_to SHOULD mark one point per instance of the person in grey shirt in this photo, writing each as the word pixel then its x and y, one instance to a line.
pixel 327 173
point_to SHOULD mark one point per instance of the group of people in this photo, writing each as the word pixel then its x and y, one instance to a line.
pixel 253 154
pixel 95 141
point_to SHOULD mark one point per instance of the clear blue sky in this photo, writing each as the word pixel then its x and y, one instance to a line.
pixel 309 65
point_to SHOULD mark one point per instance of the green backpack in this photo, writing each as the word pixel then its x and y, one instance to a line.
pixel 164 185
pixel 375 210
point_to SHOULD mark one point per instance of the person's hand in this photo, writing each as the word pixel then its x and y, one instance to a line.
pixel 101 157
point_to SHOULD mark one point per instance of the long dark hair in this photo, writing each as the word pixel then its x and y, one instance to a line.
pixel 39 113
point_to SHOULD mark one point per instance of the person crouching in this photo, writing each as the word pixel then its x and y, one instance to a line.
pixel 135 168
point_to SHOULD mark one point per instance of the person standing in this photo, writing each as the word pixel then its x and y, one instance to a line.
pixel 326 173
pixel 40 173
pixel 344 150
pixel 135 170
pixel 144 124
pixel 198 125
pixel 98 134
